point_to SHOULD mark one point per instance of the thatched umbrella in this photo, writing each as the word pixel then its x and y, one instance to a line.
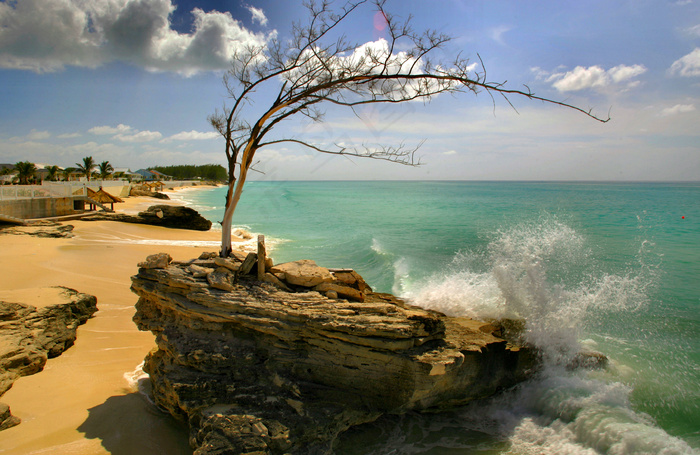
pixel 103 197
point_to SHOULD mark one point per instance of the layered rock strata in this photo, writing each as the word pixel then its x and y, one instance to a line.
pixel 272 367
pixel 42 228
pixel 30 335
pixel 171 216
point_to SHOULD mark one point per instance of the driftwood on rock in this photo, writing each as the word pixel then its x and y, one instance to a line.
pixel 254 368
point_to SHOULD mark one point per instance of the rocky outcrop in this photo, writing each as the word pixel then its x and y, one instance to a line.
pixel 46 229
pixel 171 216
pixel 147 193
pixel 29 335
pixel 273 367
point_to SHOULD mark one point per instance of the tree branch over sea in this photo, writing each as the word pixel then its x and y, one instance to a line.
pixel 318 67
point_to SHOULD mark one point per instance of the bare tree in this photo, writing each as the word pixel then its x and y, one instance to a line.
pixel 318 67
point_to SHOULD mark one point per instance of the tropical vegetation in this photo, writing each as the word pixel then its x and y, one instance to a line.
pixel 87 167
pixel 52 176
pixel 25 172
pixel 214 172
pixel 105 169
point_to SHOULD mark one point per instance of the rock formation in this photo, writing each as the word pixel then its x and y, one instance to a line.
pixel 42 228
pixel 171 216
pixel 147 193
pixel 29 335
pixel 273 366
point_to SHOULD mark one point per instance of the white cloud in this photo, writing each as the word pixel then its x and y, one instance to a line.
pixel 498 32
pixel 119 129
pixel 450 152
pixel 623 73
pixel 581 78
pixel 193 136
pixel 688 65
pixel 693 31
pixel 35 135
pixel 69 135
pixel 141 136
pixel 258 15
pixel 677 109
pixel 93 32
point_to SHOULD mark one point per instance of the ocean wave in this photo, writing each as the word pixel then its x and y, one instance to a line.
pixel 139 381
pixel 542 273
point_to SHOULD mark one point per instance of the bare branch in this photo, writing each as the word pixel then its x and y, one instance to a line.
pixel 315 69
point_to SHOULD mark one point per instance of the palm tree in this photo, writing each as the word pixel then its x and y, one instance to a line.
pixel 53 173
pixel 105 169
pixel 25 171
pixel 66 173
pixel 87 166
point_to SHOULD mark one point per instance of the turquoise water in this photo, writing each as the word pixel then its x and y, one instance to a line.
pixel 610 267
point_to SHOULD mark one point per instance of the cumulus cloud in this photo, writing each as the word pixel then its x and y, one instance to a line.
pixel 688 65
pixel 193 136
pixel 119 129
pixel 93 32
pixel 69 135
pixel 581 78
pixel 258 15
pixel 141 136
pixel 677 109
pixel 35 135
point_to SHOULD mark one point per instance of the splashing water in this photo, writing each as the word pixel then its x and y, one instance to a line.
pixel 541 273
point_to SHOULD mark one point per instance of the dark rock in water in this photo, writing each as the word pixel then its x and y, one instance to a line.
pixel 256 369
pixel 30 335
pixel 171 216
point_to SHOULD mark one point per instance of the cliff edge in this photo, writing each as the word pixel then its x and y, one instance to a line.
pixel 273 366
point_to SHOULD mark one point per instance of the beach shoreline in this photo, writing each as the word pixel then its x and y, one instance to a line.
pixel 86 401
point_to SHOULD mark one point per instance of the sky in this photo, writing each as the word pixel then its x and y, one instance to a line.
pixel 133 81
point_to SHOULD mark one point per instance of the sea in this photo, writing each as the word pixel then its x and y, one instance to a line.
pixel 606 267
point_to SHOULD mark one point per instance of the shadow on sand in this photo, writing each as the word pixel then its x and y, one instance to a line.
pixel 130 425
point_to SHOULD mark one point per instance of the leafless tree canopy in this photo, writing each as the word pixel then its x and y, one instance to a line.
pixel 320 67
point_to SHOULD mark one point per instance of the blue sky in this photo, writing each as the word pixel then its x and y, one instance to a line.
pixel 133 81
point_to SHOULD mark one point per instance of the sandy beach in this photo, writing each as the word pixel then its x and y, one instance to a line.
pixel 86 401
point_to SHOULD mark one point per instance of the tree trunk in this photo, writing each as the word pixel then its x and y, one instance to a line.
pixel 226 224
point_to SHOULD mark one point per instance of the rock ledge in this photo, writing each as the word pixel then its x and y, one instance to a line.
pixel 257 369
pixel 29 335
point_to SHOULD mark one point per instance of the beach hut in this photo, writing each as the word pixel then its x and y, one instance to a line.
pixel 157 186
pixel 102 197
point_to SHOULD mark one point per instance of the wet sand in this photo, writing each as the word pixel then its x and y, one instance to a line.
pixel 84 402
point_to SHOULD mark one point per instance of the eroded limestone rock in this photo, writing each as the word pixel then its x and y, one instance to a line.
pixel 29 335
pixel 255 369
pixel 171 216
pixel 303 273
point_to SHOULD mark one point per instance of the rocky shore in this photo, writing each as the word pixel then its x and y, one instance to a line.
pixel 32 334
pixel 284 359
